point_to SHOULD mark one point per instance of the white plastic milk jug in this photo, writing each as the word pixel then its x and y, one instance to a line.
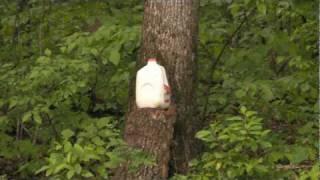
pixel 152 87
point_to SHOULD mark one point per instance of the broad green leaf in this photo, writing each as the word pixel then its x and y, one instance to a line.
pixel 240 93
pixel 234 118
pixel 13 102
pixel 243 110
pixel 103 122
pixel 203 134
pixel 70 174
pixel 114 56
pixel 94 52
pixel 298 154
pixel 26 116
pixel 43 168
pixel 47 52
pixel 87 174
pixel 78 168
pixel 60 167
pixel 67 133
pixel 262 8
pixel 98 141
pixel 37 118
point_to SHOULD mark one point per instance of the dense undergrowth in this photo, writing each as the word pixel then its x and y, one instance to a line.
pixel 65 68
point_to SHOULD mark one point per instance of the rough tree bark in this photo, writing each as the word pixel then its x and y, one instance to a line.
pixel 170 29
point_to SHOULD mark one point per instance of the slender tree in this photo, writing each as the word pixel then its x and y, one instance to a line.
pixel 170 29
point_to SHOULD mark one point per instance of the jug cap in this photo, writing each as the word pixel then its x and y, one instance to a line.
pixel 152 60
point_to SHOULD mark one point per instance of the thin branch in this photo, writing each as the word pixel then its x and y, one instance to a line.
pixel 52 124
pixel 293 167
pixel 282 67
pixel 26 130
pixel 215 61
pixel 35 135
pixel 18 130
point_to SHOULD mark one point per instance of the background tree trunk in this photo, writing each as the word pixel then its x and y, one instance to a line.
pixel 170 29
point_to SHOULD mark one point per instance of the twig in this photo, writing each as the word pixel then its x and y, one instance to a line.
pixel 293 166
pixel 215 61
pixel 282 67
pixel 18 130
pixel 26 130
pixel 52 125
pixel 35 136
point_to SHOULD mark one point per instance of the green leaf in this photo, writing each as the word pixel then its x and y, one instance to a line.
pixel 67 133
pixel 94 52
pixel 98 141
pixel 247 2
pixel 267 92
pixel 240 93
pixel 243 110
pixel 78 149
pixel 37 118
pixel 103 122
pixel 266 144
pixel 47 52
pixel 262 8
pixel 114 160
pixel 250 113
pixel 43 168
pixel 59 168
pixel 26 116
pixel 114 56
pixel 12 103
pixel 69 157
pixel 63 49
pixel 102 170
pixel 78 168
pixel 203 134
pixel 234 118
pixel 261 168
pixel 298 154
pixel 315 173
pixel 219 155
pixel 87 174
pixel 70 174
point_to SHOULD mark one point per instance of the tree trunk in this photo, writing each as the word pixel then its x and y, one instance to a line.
pixel 150 130
pixel 170 29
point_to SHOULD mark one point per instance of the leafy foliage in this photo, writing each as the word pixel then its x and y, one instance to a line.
pixel 262 58
pixel 63 65
pixel 65 69
pixel 238 147
pixel 92 152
